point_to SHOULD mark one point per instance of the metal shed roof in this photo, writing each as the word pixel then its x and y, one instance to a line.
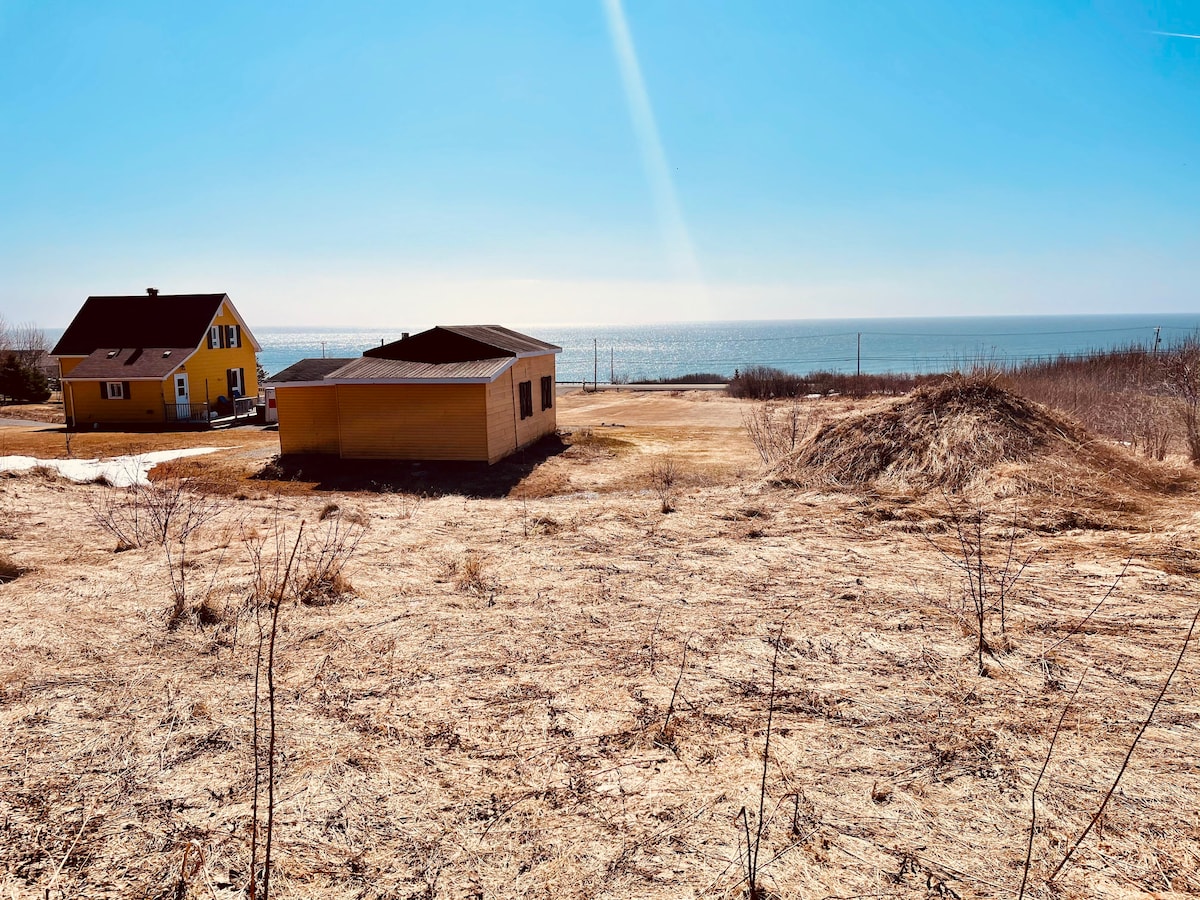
pixel 368 369
pixel 309 370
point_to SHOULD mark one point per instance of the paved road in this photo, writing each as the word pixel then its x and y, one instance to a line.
pixel 567 387
pixel 28 423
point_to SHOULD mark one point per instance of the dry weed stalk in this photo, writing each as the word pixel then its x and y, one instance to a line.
pixel 665 734
pixel 1132 746
pixel 268 637
pixel 754 844
pixel 1033 794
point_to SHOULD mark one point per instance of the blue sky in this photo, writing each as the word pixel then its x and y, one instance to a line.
pixel 407 163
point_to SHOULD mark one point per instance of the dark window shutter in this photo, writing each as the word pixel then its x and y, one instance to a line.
pixel 229 383
pixel 209 339
pixel 104 390
pixel 526 397
pixel 125 389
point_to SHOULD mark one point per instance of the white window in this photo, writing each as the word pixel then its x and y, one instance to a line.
pixel 115 390
pixel 214 337
pixel 234 336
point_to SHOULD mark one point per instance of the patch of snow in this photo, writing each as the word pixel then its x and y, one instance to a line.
pixel 119 471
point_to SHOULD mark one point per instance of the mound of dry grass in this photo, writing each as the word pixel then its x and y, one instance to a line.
pixel 968 436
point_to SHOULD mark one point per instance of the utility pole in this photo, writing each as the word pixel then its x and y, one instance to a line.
pixel 858 367
pixel 322 349
pixel 595 364
pixel 612 366
pixel 1157 339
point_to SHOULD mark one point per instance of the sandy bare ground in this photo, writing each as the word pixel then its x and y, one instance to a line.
pixel 50 412
pixel 559 690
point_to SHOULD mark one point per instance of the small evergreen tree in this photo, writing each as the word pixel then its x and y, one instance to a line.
pixel 23 383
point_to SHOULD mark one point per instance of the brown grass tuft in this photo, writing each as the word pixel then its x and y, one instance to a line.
pixel 470 574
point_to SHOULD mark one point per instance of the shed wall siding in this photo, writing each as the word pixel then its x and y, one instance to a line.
pixel 308 419
pixel 412 421
pixel 505 398
pixel 501 417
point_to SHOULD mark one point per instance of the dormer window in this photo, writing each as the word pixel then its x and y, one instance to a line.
pixel 222 336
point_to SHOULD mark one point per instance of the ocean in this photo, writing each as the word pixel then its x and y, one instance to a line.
pixel 633 352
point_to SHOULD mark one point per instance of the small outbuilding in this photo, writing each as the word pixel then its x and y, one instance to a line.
pixel 454 392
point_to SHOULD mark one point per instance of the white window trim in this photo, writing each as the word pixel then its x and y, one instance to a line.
pixel 214 337
pixel 232 336
pixel 116 390
pixel 240 387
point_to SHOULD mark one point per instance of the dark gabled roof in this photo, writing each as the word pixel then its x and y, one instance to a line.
pixel 165 320
pixel 462 343
pixel 480 371
pixel 120 364
pixel 503 338
pixel 309 369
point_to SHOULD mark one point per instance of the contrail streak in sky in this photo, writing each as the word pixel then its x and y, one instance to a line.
pixel 1194 37
pixel 658 172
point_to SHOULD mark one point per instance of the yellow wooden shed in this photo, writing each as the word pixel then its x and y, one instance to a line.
pixel 454 392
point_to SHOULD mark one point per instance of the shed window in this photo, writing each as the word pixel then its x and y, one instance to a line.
pixel 547 392
pixel 526 399
pixel 114 390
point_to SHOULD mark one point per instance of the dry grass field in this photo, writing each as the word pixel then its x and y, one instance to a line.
pixel 561 677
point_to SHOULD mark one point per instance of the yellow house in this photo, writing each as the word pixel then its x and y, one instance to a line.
pixel 455 392
pixel 148 360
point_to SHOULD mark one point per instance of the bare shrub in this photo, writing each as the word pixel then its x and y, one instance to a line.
pixel 689 378
pixel 320 576
pixel 1182 372
pixel 664 476
pixel 311 569
pixel 990 576
pixel 1130 393
pixel 151 513
pixel 777 429
pixel 189 510
pixel 765 383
